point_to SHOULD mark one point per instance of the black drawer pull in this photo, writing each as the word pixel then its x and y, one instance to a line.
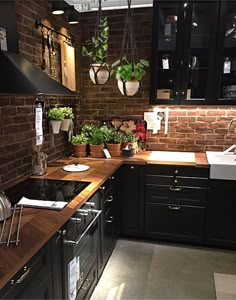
pixel 175 189
pixel 109 199
pixel 174 207
pixel 110 220
pixel 23 276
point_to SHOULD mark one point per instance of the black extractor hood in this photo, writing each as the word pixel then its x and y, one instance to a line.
pixel 19 76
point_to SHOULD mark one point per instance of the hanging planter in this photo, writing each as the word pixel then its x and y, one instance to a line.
pixel 128 69
pixel 97 49
pixel 55 115
pixel 68 116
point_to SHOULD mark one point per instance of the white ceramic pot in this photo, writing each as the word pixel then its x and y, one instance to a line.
pixel 65 124
pixel 131 87
pixel 99 74
pixel 55 126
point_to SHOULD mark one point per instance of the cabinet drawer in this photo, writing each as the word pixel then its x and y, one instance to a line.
pixel 185 171
pixel 167 221
pixel 176 195
pixel 177 180
pixel 89 284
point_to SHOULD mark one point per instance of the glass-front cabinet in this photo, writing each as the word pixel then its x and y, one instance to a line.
pixel 193 52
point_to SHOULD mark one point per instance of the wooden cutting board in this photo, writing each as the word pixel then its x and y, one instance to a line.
pixel 68 66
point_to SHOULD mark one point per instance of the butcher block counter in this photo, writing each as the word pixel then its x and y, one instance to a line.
pixel 39 225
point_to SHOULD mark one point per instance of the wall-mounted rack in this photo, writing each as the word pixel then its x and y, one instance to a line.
pixel 39 24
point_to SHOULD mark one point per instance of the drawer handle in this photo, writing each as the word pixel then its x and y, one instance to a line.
pixel 175 189
pixel 132 167
pixel 174 207
pixel 109 199
pixel 23 277
pixel 110 220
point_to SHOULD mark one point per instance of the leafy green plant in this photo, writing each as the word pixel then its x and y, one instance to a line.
pixel 68 112
pixel 97 47
pixel 125 70
pixel 55 114
pixel 88 130
pixel 113 136
pixel 130 137
pixel 97 137
pixel 79 139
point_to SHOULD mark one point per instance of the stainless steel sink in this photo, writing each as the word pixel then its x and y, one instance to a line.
pixel 222 165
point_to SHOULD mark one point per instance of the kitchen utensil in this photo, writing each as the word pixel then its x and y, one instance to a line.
pixel 43 64
pixel 49 45
pixel 5 207
pixel 76 168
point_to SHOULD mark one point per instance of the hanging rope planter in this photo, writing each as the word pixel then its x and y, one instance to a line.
pixel 97 48
pixel 129 71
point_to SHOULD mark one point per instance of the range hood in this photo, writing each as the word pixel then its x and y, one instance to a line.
pixel 19 76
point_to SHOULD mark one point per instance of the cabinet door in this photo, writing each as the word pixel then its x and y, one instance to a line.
pixel 166 52
pixel 221 211
pixel 198 52
pixel 174 222
pixel 226 54
pixel 133 186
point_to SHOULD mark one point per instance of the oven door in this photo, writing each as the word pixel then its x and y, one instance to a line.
pixel 80 256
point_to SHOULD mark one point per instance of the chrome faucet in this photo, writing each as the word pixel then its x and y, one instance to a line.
pixel 230 124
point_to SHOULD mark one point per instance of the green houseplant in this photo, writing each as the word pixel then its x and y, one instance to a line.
pixel 113 141
pixel 97 49
pixel 55 115
pixel 130 140
pixel 79 143
pixel 129 75
pixel 96 142
pixel 68 117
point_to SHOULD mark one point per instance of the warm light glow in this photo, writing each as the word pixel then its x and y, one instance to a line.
pixel 58 12
pixel 73 22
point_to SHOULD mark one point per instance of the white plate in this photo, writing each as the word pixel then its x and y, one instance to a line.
pixel 76 168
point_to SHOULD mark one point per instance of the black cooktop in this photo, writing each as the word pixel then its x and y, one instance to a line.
pixel 45 189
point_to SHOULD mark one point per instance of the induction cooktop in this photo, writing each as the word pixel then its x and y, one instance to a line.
pixel 45 190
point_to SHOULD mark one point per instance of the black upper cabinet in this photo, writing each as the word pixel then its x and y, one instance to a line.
pixel 183 53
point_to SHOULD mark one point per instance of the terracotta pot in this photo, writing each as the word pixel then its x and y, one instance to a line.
pixel 115 153
pixel 96 150
pixel 128 88
pixel 65 124
pixel 80 150
pixel 99 74
pixel 55 126
pixel 114 147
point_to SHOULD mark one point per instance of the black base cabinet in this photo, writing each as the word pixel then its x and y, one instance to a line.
pixel 34 280
pixel 132 200
pixel 221 214
pixel 175 203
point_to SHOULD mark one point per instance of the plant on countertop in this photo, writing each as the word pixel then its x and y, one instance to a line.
pixel 55 114
pixel 88 130
pixel 130 137
pixel 97 137
pixel 79 139
pixel 113 136
pixel 68 112
pixel 126 71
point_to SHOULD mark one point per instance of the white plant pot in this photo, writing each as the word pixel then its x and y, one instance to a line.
pixel 101 72
pixel 131 87
pixel 55 126
pixel 65 124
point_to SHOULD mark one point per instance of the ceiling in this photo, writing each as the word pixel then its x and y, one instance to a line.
pixel 91 5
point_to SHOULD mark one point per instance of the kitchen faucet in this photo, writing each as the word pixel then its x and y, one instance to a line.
pixel 227 151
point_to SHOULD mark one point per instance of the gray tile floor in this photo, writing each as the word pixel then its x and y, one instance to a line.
pixel 140 270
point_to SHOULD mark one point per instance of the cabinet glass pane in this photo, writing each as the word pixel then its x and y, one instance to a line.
pixel 228 59
pixel 198 59
pixel 166 50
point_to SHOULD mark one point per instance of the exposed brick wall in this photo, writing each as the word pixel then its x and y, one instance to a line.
pixel 17 131
pixel 191 128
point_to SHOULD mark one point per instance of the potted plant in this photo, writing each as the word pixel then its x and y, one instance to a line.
pixel 68 117
pixel 79 143
pixel 113 141
pixel 96 49
pixel 96 142
pixel 55 115
pixel 130 140
pixel 129 75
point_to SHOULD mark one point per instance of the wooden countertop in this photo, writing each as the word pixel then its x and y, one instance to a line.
pixel 39 225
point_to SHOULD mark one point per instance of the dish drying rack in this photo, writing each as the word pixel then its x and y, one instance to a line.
pixel 7 234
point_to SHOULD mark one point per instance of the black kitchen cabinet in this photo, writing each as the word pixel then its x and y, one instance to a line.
pixel 183 48
pixel 221 209
pixel 34 280
pixel 175 202
pixel 132 200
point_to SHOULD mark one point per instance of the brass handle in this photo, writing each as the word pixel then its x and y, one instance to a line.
pixel 175 189
pixel 174 207
pixel 23 276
